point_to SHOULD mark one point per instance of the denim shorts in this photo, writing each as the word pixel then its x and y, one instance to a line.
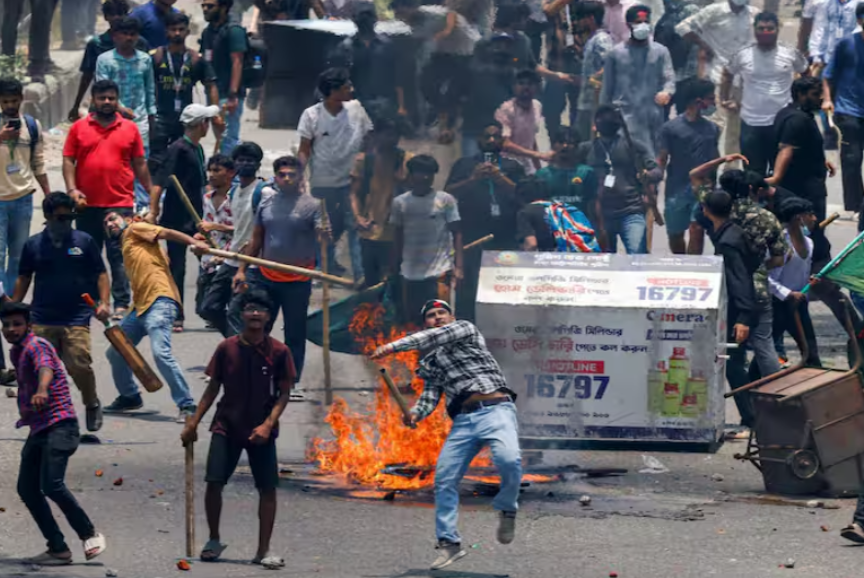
pixel 678 210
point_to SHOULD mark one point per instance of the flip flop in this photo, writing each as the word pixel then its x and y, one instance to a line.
pixel 49 559
pixel 94 546
pixel 212 550
pixel 269 562
pixel 854 533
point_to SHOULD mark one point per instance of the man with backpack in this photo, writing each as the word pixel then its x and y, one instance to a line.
pixel 22 171
pixel 177 70
pixel 244 200
pixel 378 177
pixel 552 226
pixel 224 46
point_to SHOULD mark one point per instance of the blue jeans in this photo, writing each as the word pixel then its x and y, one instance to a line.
pixel 631 229
pixel 496 427
pixel 341 219
pixel 142 195
pixel 231 138
pixel 292 298
pixel 15 217
pixel 157 322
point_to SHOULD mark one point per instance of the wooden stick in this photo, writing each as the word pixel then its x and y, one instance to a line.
pixel 188 204
pixel 649 230
pixel 281 267
pixel 397 395
pixel 829 220
pixel 190 498
pixel 325 308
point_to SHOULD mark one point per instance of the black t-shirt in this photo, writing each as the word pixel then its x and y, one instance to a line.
pixel 613 157
pixel 217 46
pixel 373 67
pixel 476 201
pixel 491 86
pixel 805 175
pixel 531 222
pixel 186 161
pixel 62 275
pixel 98 45
pixel 776 200
pixel 189 69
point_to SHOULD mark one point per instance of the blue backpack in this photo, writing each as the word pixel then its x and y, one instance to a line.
pixel 256 196
pixel 570 227
pixel 33 130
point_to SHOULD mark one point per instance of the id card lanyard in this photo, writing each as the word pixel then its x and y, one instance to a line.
pixel 609 179
pixel 494 207
pixel 569 40
pixel 12 167
pixel 178 79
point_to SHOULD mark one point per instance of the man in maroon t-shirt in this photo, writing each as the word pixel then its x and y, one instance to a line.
pixel 257 373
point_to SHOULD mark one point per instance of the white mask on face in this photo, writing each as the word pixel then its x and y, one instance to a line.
pixel 641 31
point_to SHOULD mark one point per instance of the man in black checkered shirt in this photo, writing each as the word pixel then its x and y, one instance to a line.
pixel 458 364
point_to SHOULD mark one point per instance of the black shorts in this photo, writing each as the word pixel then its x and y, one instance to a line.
pixel 225 453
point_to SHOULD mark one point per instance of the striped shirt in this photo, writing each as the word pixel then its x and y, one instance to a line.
pixel 28 357
pixel 457 364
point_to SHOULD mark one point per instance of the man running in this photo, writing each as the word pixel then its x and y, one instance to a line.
pixel 460 366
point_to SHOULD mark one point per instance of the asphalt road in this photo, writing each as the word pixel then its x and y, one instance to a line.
pixel 681 523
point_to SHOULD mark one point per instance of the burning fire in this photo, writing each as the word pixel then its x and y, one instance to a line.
pixel 365 443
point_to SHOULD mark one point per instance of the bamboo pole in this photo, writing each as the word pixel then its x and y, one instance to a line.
pixel 188 204
pixel 190 499
pixel 281 267
pixel 325 306
pixel 397 395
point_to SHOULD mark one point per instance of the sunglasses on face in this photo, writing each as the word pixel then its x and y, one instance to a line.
pixel 252 308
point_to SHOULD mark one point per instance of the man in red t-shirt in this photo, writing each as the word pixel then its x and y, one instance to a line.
pixel 257 373
pixel 102 157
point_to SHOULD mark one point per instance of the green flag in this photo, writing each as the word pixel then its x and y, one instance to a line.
pixel 847 268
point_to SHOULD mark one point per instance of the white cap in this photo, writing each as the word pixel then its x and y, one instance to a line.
pixel 195 113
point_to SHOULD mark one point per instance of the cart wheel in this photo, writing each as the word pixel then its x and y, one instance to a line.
pixel 803 463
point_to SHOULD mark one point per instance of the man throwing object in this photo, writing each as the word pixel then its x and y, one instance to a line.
pixel 460 366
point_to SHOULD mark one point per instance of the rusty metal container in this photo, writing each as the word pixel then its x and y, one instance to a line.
pixel 808 436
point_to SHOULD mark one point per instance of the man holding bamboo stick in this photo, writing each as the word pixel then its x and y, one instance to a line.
pixel 459 365
pixel 156 304
pixel 287 228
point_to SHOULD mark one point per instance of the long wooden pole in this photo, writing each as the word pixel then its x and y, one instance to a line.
pixel 282 267
pixel 325 306
pixel 188 204
pixel 190 499
pixel 397 395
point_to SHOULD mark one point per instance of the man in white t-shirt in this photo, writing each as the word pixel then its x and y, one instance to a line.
pixel 721 30
pixel 428 238
pixel 331 135
pixel 767 70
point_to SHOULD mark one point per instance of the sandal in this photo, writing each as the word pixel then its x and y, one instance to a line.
pixel 177 327
pixel 50 559
pixel 94 545
pixel 853 532
pixel 212 550
pixel 269 562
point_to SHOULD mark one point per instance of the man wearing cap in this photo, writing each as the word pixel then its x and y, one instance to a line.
pixel 184 159
pixel 459 365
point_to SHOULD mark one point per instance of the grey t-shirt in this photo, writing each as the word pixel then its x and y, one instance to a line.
pixel 427 239
pixel 289 222
pixel 689 145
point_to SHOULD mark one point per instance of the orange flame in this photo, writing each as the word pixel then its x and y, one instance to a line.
pixel 363 444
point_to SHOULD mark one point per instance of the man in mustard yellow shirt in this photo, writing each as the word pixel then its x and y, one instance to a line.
pixel 156 304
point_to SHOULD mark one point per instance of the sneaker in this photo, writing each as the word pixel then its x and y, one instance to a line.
pixel 94 416
pixel 8 377
pixel 186 412
pixel 123 404
pixel 853 532
pixel 506 527
pixel 448 553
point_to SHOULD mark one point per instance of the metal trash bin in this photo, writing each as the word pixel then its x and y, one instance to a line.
pixel 808 436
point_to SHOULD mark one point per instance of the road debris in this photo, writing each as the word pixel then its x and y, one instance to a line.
pixel 184 565
pixel 110 573
pixel 825 528
pixel 585 500
pixel 814 504
pixel 99 473
pixel 11 392
pixel 118 482
pixel 790 563
pixel 652 466
pixel 717 477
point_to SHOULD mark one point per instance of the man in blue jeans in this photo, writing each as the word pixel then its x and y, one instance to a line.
pixel 223 45
pixel 621 193
pixel 458 364
pixel 156 304
pixel 287 229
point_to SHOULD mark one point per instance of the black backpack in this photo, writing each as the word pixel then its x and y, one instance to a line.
pixel 254 59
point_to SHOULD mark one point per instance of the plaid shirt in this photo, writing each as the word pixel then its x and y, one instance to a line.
pixel 220 216
pixel 28 357
pixel 458 363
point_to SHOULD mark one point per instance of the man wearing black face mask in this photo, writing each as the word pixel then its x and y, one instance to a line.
pixel 67 263
pixel 621 194
pixel 373 65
